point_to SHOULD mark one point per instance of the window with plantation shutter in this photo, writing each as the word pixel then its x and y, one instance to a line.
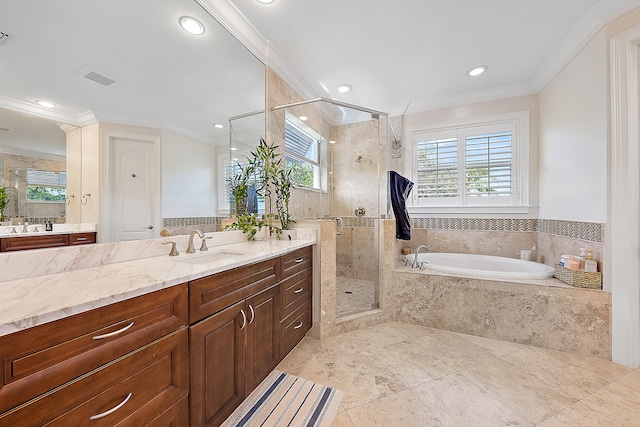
pixel 479 166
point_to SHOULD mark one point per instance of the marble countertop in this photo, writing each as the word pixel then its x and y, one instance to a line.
pixel 31 301
pixel 5 230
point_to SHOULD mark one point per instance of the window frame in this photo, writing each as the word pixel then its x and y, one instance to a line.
pixel 518 201
pixel 293 121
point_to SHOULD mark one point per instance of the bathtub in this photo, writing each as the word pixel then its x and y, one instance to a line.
pixel 482 266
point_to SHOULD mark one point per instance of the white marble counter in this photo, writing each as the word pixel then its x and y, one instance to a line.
pixel 34 300
pixel 6 230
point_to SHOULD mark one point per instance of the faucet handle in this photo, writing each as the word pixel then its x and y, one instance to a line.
pixel 203 246
pixel 174 250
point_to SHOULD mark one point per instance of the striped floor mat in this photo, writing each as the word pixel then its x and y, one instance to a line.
pixel 286 400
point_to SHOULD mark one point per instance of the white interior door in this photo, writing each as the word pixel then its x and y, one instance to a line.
pixel 133 189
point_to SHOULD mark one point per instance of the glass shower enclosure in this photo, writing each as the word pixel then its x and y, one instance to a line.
pixel 338 153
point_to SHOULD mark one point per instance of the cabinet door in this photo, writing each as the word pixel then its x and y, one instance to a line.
pixel 262 335
pixel 217 365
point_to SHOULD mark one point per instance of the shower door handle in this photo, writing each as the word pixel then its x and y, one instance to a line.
pixel 339 225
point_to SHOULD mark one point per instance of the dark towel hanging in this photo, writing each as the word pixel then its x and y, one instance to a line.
pixel 399 189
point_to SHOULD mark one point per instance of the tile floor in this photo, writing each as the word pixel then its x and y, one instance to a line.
pixel 353 296
pixel 396 374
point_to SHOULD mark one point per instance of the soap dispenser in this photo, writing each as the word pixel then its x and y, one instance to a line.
pixel 590 264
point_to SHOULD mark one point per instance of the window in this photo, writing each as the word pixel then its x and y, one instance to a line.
pixel 46 186
pixel 302 154
pixel 481 166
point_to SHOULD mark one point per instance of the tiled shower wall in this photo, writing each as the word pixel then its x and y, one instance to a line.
pixel 356 249
pixel 547 239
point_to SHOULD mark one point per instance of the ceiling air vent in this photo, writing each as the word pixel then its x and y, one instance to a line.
pixel 5 37
pixel 99 78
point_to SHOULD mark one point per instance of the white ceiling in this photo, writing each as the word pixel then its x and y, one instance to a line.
pixel 395 54
pixel 418 51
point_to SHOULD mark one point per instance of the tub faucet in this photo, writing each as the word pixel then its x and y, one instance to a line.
pixel 190 248
pixel 416 264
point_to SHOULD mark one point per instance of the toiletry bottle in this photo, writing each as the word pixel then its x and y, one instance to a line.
pixel 574 264
pixel 48 226
pixel 590 264
pixel 582 257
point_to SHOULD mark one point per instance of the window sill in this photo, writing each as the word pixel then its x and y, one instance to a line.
pixel 413 210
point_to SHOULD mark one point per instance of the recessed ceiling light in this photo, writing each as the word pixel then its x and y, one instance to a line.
pixel 303 118
pixel 344 88
pixel 476 71
pixel 266 1
pixel 191 25
pixel 332 142
pixel 219 125
pixel 45 104
pixel 233 148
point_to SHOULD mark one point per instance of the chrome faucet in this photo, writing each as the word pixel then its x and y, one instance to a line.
pixel 190 248
pixel 24 227
pixel 415 258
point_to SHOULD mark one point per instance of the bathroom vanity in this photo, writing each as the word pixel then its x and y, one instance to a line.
pixel 45 240
pixel 182 346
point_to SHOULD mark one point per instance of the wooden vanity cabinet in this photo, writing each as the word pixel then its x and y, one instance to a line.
pixel 42 365
pixel 296 296
pixel 44 240
pixel 235 348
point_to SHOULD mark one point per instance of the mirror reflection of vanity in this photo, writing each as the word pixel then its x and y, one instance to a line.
pixel 146 82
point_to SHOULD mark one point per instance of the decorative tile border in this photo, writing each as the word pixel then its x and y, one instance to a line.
pixel 182 222
pixel 589 231
pixel 357 221
pixel 476 224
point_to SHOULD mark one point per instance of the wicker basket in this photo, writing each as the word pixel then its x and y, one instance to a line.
pixel 579 279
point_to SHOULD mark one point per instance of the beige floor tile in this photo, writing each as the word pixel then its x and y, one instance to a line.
pixel 580 415
pixel 457 401
pixel 311 371
pixel 400 409
pixel 574 381
pixel 342 420
pixel 453 350
pixel 362 377
pixel 618 402
pixel 631 380
pixel 529 397
pixel 604 368
pixel 338 346
pixel 413 331
pixel 299 356
pixel 495 347
pixel 380 335
pixel 412 364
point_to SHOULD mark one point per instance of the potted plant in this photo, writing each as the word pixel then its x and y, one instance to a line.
pixel 239 184
pixel 283 186
pixel 4 200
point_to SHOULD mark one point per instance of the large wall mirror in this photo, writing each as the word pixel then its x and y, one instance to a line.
pixel 128 67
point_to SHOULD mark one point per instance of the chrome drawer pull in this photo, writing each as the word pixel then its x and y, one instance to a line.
pixel 253 314
pixel 80 239
pixel 244 319
pixel 111 334
pixel 299 260
pixel 298 326
pixel 297 291
pixel 111 411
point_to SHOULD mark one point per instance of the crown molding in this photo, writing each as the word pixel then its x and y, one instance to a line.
pixel 35 110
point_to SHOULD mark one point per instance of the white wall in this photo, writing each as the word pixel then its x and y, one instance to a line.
pixel 188 177
pixel 573 138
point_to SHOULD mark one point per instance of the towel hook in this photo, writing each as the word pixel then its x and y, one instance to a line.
pixel 68 200
pixel 85 198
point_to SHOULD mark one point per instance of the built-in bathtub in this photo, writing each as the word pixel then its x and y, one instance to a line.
pixel 481 266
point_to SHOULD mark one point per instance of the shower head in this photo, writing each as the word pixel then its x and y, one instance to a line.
pixel 358 159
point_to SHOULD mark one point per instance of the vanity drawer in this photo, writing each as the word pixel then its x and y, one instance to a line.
pixel 81 239
pixel 41 358
pixel 32 242
pixel 295 291
pixel 296 261
pixel 294 327
pixel 216 292
pixel 142 386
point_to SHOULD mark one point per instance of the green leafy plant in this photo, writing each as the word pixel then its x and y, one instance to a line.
pixel 4 200
pixel 239 183
pixel 283 186
pixel 250 224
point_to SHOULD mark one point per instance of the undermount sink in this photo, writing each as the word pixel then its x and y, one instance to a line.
pixel 224 257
